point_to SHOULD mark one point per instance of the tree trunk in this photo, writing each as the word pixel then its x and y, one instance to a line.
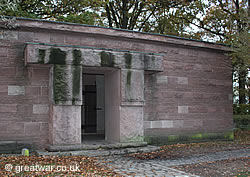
pixel 242 87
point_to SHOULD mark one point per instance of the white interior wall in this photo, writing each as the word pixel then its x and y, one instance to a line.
pixel 112 105
pixel 100 91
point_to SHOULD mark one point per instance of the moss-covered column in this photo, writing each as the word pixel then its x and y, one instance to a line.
pixel 132 101
pixel 66 97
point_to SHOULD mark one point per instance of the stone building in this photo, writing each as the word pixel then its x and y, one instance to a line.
pixel 63 83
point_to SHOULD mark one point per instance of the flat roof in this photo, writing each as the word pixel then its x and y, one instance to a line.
pixel 116 32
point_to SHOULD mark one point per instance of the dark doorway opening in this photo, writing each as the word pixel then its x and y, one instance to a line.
pixel 93 118
pixel 90 109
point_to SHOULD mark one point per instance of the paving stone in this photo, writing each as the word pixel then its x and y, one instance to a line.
pixel 155 167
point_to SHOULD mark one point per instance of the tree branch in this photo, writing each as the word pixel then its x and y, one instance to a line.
pixel 109 16
pixel 143 23
pixel 114 15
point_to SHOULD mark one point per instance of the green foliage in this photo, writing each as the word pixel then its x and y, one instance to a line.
pixel 241 109
pixel 76 11
pixel 83 18
pixel 242 121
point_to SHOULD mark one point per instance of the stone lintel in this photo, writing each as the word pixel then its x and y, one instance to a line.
pixel 36 53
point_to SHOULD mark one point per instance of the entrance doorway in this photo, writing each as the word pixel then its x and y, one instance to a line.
pixel 93 111
pixel 100 118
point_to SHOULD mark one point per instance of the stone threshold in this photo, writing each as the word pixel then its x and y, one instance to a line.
pixel 101 152
pixel 94 146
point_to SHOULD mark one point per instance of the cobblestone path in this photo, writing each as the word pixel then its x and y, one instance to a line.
pixel 128 166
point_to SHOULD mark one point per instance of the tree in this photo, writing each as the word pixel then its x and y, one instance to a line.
pixel 78 11
pixel 135 14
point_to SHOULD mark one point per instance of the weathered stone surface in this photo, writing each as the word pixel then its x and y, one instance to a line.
pixel 66 125
pixel 104 152
pixel 8 108
pixel 8 35
pixel 40 108
pixel 67 84
pixel 159 124
pixel 208 84
pixel 153 63
pixel 95 146
pixel 32 128
pixel 132 85
pixel 16 90
pixel 131 125
pixel 182 109
pixel 55 54
pixel 162 79
pixel 182 80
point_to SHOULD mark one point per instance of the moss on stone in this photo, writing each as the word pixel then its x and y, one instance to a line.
pixel 173 138
pixel 60 85
pixel 229 136
pixel 41 56
pixel 77 57
pixel 57 56
pixel 107 59
pixel 135 139
pixel 128 60
pixel 196 136
pixel 76 83
pixel 200 137
pixel 129 73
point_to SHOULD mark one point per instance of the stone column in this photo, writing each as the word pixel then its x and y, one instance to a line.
pixel 66 99
pixel 131 109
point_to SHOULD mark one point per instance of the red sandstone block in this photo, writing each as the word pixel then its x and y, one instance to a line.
pixel 32 128
pixel 7 72
pixel 167 109
pixel 3 127
pixel 198 109
pixel 24 110
pixel 73 40
pixel 16 52
pixel 25 36
pixel 57 38
pixel 42 37
pixel 3 52
pixel 193 124
pixel 4 89
pixel 21 72
pixel 214 125
pixel 44 127
pixel 33 90
pixel 40 117
pixel 45 91
pixel 212 109
pixel 8 108
pixel 89 41
pixel 40 74
pixel 15 128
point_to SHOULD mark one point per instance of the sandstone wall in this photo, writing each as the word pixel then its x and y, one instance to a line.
pixel 192 96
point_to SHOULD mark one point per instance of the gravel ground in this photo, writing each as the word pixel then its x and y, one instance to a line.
pixel 236 166
pixel 230 168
